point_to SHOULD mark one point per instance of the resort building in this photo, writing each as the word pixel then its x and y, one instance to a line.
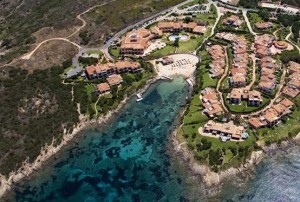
pixel 167 60
pixel 292 87
pixel 224 129
pixel 100 70
pixel 103 88
pixel 262 45
pixel 127 66
pixel 135 42
pixel 114 79
pixel 178 26
pixel 238 95
pixel 263 25
pixel 218 63
pixel 233 20
pixel 271 116
pixel 105 70
pixel 282 45
pixel 210 102
pixel 238 81
pixel 267 74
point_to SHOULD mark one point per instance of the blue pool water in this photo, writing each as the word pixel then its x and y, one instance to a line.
pixel 181 37
pixel 128 161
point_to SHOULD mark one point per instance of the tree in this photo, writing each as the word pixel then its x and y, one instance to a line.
pixel 176 42
pixel 264 14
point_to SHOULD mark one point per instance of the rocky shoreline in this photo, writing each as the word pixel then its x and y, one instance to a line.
pixel 49 151
pixel 213 181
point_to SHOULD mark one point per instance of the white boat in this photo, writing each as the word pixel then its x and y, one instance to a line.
pixel 139 97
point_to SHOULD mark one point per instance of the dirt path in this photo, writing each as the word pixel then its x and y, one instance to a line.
pixel 28 55
pixel 83 20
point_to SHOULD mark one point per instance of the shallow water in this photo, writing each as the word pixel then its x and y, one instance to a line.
pixel 131 161
pixel 128 161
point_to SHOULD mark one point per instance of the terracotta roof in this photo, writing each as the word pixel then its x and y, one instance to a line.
pixel 270 115
pixel 290 91
pixel 199 29
pixel 281 44
pixel 102 87
pixel 255 123
pixel 263 25
pixel 287 103
pixel 226 128
pixel 114 79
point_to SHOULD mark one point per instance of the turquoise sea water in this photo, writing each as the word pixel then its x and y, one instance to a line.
pixel 131 160
pixel 128 161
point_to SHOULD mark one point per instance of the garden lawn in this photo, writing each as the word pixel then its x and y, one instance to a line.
pixel 167 50
pixel 190 45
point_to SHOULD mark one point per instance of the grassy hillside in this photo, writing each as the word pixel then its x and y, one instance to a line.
pixel 18 25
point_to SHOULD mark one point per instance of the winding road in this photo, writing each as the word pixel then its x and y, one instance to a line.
pixel 287 38
pixel 248 23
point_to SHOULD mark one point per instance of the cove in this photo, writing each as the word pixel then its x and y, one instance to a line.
pixel 128 161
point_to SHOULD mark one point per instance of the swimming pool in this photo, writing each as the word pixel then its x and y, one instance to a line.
pixel 181 37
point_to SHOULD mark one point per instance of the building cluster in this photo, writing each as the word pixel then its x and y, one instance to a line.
pixel 225 129
pixel 218 63
pixel 252 97
pixel 211 102
pixel 107 69
pixel 178 26
pixel 112 80
pixel 292 87
pixel 136 41
pixel 267 80
pixel 262 46
pixel 238 73
pixel 239 68
pixel 233 20
pixel 263 25
pixel 272 115
pixel 111 72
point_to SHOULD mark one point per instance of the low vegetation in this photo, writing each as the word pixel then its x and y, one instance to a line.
pixel 35 108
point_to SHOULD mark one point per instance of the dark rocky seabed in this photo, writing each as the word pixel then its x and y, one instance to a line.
pixel 131 160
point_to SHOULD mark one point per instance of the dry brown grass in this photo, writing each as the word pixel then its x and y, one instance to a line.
pixel 51 53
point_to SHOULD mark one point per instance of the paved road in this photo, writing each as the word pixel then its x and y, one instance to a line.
pixel 288 39
pixel 219 14
pixel 248 23
pixel 159 16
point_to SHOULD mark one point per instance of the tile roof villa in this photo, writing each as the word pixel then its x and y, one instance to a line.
pixel 271 116
pixel 104 70
pixel 210 101
pixel 263 25
pixel 136 41
pixel 224 129
pixel 114 79
pixel 292 87
pixel 218 63
pixel 233 20
pixel 103 88
pixel 252 97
